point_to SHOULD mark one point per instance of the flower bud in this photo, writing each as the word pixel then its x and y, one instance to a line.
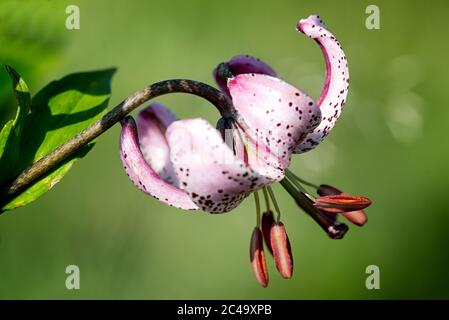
pixel 281 250
pixel 257 257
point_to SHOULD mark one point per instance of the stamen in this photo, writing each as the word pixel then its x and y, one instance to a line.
pixel 292 179
pixel 227 127
pixel 295 177
pixel 342 203
pixel 224 126
pixel 256 198
pixel 334 229
pixel 273 199
pixel 267 200
pixel 244 142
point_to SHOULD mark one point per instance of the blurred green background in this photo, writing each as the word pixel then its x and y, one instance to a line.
pixel 390 144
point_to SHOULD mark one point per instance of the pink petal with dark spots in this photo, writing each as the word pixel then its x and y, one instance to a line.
pixel 216 180
pixel 243 64
pixel 336 84
pixel 143 175
pixel 278 116
pixel 152 122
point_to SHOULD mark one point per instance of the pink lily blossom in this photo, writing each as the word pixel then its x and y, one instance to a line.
pixel 191 165
pixel 278 115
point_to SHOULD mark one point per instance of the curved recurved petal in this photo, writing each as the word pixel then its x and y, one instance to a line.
pixel 152 122
pixel 206 167
pixel 277 114
pixel 141 173
pixel 241 64
pixel 335 89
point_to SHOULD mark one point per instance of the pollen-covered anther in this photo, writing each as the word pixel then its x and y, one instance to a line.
pixel 327 190
pixel 342 203
pixel 357 217
pixel 281 250
pixel 267 224
pixel 257 257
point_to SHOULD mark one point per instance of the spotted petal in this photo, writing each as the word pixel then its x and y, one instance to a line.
pixel 207 169
pixel 152 122
pixel 335 89
pixel 276 114
pixel 143 175
pixel 241 64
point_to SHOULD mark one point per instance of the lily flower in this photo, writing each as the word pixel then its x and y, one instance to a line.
pixel 189 164
pixel 278 119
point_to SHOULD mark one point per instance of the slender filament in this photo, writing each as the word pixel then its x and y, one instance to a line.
pixel 256 198
pixel 267 199
pixel 293 177
pixel 275 204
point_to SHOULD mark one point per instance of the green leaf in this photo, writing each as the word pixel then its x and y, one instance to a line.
pixel 58 113
pixel 4 137
pixel 45 183
pixel 11 134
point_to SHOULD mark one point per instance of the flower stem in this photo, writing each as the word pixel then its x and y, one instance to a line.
pixel 50 161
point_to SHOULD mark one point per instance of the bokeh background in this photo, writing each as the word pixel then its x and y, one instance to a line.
pixel 390 144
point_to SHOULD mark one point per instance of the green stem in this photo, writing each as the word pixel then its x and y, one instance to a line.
pixel 50 161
